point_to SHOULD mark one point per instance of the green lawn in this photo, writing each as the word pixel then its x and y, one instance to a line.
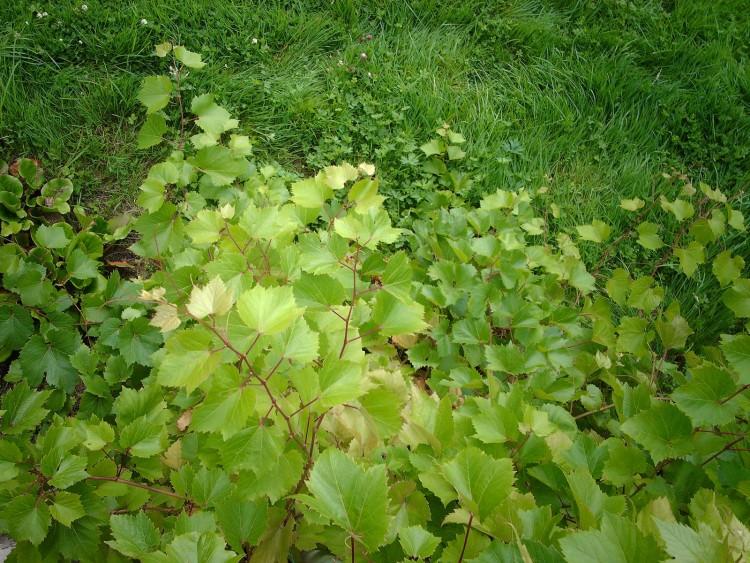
pixel 593 99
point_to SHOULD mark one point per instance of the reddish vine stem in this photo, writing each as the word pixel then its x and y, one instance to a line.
pixel 466 537
pixel 138 485
pixel 588 413
pixel 733 395
pixel 348 318
pixel 722 450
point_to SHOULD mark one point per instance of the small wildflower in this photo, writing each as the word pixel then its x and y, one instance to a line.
pixel 84 7
pixel 369 37
pixel 351 69
pixel 144 21
pixel 369 75
pixel 341 63
pixel 361 39
pixel 254 41
pixel 80 42
pixel 363 56
pixel 39 15
pixel 45 14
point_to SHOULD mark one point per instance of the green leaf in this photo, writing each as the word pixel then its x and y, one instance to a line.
pixel 365 193
pixel 134 535
pixel 737 298
pixel 143 438
pixel 368 228
pixel 22 408
pixel 52 358
pixel 337 176
pixel 219 164
pixel 648 236
pixel 311 193
pixel 396 279
pixel 736 219
pixel 673 334
pixel 189 360
pixel 212 118
pixel 736 348
pixel 632 204
pixel 51 236
pixel 99 435
pixel 152 132
pixel 618 541
pixel 161 232
pixel 81 267
pixel 633 336
pixel 242 522
pixel 482 482
pixel 353 498
pixel 16 326
pixel 690 257
pixel 268 310
pixel 212 299
pixel 67 508
pixel 155 92
pixel 506 358
pixel 188 58
pixel 681 209
pixel 340 381
pixel 193 547
pixel 701 398
pixel 435 146
pixel 726 268
pixel 163 49
pixel 227 406
pixel 138 340
pixel 72 469
pixel 27 519
pixel 297 343
pixel 618 286
pixel 598 231
pixel 685 544
pixel 394 317
pixel 417 542
pixel 623 464
pixel 663 430
pixel 318 292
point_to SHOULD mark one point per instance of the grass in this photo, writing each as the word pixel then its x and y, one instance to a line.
pixel 594 99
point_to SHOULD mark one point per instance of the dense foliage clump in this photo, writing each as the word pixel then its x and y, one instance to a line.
pixel 285 371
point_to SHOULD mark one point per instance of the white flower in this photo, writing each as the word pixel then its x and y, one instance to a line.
pixel 254 41
pixel 144 21
pixel 84 7
pixel 363 56
pixel 341 63
pixel 80 42
pixel 44 14
pixel 369 75
pixel 39 15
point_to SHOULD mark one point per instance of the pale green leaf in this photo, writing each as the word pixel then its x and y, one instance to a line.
pixel 155 92
pixel 190 359
pixel 268 310
pixel 737 298
pixel 663 430
pixel 702 397
pixel 648 236
pixel 598 231
pixel 152 132
pixel 727 268
pixel 482 482
pixel 690 257
pixel 188 58
pixel 353 498
pixel 393 317
pixel 212 299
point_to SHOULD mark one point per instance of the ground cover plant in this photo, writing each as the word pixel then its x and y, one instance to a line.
pixel 289 372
